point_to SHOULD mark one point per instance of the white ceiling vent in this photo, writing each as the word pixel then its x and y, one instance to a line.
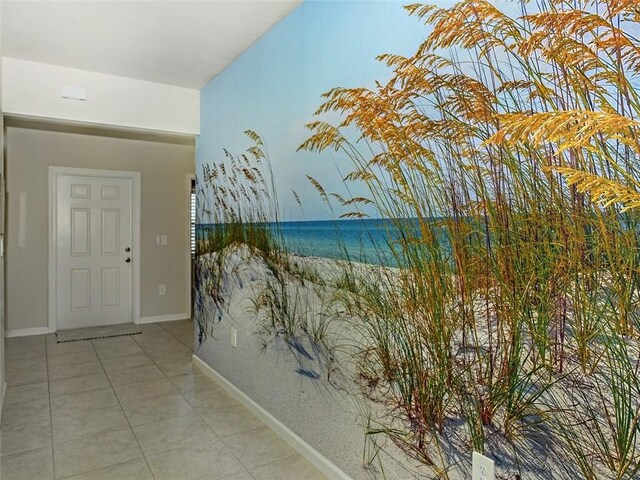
pixel 74 93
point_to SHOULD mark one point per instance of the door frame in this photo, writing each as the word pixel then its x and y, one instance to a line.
pixel 190 177
pixel 54 173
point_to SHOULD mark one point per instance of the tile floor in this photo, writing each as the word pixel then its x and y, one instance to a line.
pixel 130 408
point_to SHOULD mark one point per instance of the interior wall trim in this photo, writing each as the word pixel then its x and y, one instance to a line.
pixel 2 397
pixel 164 318
pixel 310 454
pixel 96 129
pixel 27 332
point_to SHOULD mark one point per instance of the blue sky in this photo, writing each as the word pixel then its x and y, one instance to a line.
pixel 275 87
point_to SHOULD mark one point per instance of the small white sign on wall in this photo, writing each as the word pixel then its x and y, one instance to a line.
pixel 74 93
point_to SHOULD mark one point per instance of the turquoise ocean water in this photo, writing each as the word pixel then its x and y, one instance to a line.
pixel 360 240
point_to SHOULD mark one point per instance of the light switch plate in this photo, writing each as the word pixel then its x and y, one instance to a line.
pixel 483 467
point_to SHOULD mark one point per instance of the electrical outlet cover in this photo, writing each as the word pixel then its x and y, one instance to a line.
pixel 483 467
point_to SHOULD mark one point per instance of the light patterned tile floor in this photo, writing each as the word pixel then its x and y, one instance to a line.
pixel 130 408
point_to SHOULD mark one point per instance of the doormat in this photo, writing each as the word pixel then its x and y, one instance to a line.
pixel 91 333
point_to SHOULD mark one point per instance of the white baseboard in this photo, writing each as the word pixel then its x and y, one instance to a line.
pixel 298 444
pixel 164 318
pixel 25 332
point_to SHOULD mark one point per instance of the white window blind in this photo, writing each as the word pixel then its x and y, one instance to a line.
pixel 193 218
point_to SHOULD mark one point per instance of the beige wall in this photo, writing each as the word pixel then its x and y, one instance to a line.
pixel 164 167
pixel 2 264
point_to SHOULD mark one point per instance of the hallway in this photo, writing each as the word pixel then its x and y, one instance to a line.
pixel 130 407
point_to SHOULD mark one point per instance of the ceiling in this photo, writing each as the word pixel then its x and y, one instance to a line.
pixel 180 42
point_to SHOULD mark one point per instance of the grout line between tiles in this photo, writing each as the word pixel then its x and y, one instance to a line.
pixel 183 395
pixel 46 361
pixel 221 438
pixel 100 468
pixel 123 412
pixel 171 333
pixel 202 420
pixel 247 469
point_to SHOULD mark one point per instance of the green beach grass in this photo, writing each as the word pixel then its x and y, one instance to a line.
pixel 512 328
pixel 525 324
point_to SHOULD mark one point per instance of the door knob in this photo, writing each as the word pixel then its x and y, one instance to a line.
pixel 127 249
pixel 127 260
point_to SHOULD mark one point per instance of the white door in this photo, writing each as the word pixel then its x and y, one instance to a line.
pixel 93 251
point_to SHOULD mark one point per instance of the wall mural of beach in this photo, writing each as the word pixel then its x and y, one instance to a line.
pixel 423 223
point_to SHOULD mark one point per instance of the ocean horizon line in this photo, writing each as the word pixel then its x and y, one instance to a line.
pixel 337 220
pixel 363 240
